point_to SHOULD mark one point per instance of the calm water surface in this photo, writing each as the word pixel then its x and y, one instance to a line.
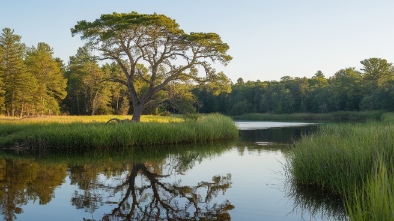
pixel 240 180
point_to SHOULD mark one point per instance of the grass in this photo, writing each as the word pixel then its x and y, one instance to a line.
pixel 340 155
pixel 74 134
pixel 375 200
pixel 90 119
pixel 330 117
pixel 343 159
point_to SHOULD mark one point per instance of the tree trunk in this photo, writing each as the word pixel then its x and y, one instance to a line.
pixel 137 112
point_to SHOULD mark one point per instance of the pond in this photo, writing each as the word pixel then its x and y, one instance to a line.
pixel 237 180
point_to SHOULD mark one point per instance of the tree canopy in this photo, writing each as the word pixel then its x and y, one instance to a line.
pixel 154 69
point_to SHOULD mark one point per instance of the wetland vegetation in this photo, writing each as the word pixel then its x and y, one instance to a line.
pixel 71 135
pixel 353 160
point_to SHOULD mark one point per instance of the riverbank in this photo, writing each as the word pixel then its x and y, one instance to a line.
pixel 327 117
pixel 350 159
pixel 73 135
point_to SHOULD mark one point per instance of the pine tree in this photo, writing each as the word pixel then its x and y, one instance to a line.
pixel 87 91
pixel 19 85
pixel 49 75
pixel 2 91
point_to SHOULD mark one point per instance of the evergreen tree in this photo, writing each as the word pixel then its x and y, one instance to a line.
pixel 119 101
pixel 2 91
pixel 19 85
pixel 49 75
pixel 87 91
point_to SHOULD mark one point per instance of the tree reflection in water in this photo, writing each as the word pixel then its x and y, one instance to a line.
pixel 150 191
pixel 118 185
pixel 154 199
pixel 24 180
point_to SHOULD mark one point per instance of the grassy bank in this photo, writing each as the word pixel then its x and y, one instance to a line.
pixel 330 117
pixel 345 159
pixel 99 135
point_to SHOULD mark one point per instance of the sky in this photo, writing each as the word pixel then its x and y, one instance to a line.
pixel 268 39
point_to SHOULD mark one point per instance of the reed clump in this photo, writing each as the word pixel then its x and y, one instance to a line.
pixel 354 160
pixel 99 135
pixel 340 155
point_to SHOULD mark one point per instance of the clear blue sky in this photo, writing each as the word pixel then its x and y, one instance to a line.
pixel 268 39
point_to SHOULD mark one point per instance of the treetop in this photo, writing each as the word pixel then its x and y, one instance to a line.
pixel 109 24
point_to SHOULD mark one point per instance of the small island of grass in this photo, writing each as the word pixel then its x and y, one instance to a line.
pixel 73 133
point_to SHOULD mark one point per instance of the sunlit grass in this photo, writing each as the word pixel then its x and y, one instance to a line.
pixel 74 134
pixel 90 119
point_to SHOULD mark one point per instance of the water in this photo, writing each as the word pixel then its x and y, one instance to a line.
pixel 240 180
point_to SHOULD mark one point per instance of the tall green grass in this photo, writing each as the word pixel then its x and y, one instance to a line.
pixel 330 117
pixel 79 135
pixel 355 160
pixel 375 200
pixel 340 155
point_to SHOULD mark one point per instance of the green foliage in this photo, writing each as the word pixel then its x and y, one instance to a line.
pixel 88 92
pixel 33 82
pixel 19 85
pixel 2 91
pixel 348 90
pixel 376 70
pixel 181 98
pixel 51 85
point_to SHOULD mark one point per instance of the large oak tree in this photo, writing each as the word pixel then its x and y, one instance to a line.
pixel 157 42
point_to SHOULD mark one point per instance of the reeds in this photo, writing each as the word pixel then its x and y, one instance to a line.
pixel 97 135
pixel 354 160
pixel 375 200
pixel 340 155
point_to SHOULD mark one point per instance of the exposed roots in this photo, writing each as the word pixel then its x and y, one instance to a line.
pixel 117 120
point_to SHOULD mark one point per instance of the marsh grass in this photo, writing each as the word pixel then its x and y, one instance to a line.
pixel 340 155
pixel 350 159
pixel 99 135
pixel 328 117
pixel 375 200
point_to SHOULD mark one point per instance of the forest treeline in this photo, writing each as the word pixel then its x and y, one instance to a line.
pixel 34 83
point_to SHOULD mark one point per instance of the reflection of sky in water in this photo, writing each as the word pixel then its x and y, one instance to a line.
pixel 249 125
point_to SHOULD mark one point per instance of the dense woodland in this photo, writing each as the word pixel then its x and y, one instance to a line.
pixel 35 83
